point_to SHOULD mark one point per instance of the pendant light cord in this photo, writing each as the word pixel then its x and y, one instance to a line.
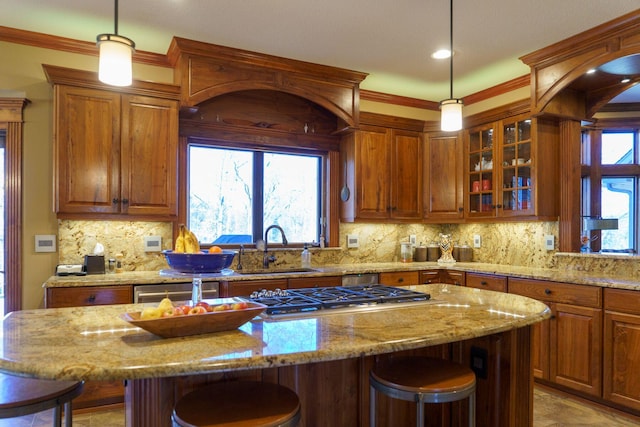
pixel 450 48
pixel 116 18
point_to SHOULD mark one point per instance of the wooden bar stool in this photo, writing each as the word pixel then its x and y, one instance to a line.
pixel 238 404
pixel 422 380
pixel 23 396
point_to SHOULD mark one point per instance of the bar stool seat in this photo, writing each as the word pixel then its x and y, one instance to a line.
pixel 23 396
pixel 238 404
pixel 422 380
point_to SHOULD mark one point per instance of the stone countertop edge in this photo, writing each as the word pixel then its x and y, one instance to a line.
pixel 154 277
pixel 95 343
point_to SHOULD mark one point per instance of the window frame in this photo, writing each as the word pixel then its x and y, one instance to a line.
pixel 593 171
pixel 327 192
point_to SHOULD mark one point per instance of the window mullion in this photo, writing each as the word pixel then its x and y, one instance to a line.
pixel 258 199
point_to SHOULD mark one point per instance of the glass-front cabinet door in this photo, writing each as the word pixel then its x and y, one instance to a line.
pixel 515 197
pixel 480 166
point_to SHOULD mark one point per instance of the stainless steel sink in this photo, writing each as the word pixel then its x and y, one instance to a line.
pixel 276 270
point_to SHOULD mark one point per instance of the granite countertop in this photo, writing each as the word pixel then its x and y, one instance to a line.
pixel 94 343
pixel 168 276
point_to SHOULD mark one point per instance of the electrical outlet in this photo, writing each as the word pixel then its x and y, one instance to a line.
pixel 549 242
pixel 477 241
pixel 152 243
pixel 413 239
pixel 352 241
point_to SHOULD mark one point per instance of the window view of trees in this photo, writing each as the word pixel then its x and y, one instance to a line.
pixel 234 195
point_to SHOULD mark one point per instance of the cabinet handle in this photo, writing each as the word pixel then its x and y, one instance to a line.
pixel 92 298
pixel 483 283
pixel 547 291
pixel 457 284
pixel 125 201
pixel 400 280
pixel 115 201
pixel 460 209
pixel 499 206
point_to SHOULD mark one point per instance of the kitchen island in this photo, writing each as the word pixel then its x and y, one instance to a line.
pixel 325 358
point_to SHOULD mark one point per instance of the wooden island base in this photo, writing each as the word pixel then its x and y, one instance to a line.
pixel 336 393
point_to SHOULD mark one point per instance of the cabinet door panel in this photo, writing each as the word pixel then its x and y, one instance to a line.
pixel 487 281
pixel 149 155
pixel 443 175
pixel 621 359
pixel 540 349
pixel 576 348
pixel 87 165
pixel 373 171
pixel 406 175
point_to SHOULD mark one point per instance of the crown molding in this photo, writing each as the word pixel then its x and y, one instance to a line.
pixel 64 44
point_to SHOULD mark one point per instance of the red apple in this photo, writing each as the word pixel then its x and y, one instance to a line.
pixel 198 309
pixel 222 307
pixel 205 305
pixel 240 305
pixel 185 309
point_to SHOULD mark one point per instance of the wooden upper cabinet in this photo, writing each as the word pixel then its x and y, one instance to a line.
pixel 149 153
pixel 512 169
pixel 384 172
pixel 443 169
pixel 87 150
pixel 115 153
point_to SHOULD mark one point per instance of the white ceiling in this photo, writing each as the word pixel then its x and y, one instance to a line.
pixel 390 39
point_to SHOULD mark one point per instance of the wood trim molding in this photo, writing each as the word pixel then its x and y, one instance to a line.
pixel 11 120
pixel 64 44
pixel 404 101
pixel 483 95
pixel 555 67
pixel 89 79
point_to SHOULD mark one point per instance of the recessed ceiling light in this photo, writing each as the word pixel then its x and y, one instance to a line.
pixel 591 71
pixel 625 80
pixel 441 54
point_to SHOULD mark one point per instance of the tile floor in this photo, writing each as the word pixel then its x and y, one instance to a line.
pixel 550 410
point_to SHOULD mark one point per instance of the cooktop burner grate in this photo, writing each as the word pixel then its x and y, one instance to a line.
pixel 313 299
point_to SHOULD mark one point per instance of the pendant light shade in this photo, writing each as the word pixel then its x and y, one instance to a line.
pixel 451 115
pixel 115 67
pixel 451 109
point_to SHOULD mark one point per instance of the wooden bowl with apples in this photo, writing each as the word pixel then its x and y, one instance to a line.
pixel 169 320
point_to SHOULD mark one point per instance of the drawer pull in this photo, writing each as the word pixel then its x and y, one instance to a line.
pixel 400 280
pixel 483 283
pixel 92 298
pixel 547 291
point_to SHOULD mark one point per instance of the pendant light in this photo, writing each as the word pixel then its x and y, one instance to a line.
pixel 451 109
pixel 115 57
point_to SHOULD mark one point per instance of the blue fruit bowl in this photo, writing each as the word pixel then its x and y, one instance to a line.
pixel 202 262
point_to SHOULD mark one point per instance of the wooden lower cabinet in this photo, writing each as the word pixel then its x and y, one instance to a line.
pixel 315 282
pixel 450 277
pixel 399 278
pixel 95 393
pixel 567 348
pixel 489 282
pixel 621 375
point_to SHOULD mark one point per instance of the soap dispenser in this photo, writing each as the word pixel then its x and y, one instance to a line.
pixel 306 257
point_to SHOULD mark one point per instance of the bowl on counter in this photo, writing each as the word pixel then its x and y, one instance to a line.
pixel 197 324
pixel 202 262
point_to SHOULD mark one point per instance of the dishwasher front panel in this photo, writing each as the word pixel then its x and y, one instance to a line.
pixel 174 291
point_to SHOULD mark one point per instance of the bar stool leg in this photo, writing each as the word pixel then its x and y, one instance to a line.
pixel 419 412
pixel 372 406
pixel 68 414
pixel 472 409
pixel 57 416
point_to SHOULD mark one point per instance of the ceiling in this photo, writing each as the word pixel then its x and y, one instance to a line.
pixel 390 39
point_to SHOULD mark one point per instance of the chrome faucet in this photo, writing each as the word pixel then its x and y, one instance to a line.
pixel 266 259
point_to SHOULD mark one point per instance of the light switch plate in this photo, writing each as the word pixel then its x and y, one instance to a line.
pixel 549 242
pixel 352 241
pixel 413 239
pixel 477 241
pixel 45 243
pixel 152 243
